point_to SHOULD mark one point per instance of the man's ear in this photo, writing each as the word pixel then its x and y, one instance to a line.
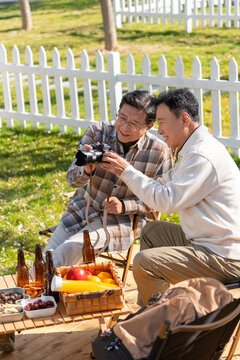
pixel 186 118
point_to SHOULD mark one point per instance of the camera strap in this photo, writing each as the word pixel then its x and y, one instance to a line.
pixel 105 212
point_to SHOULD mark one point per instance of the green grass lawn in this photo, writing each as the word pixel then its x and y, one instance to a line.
pixel 78 25
pixel 33 163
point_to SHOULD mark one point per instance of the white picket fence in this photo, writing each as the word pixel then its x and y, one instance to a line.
pixel 190 12
pixel 103 88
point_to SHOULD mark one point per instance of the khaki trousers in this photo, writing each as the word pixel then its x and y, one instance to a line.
pixel 167 257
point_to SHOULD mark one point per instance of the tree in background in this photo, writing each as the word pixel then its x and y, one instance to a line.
pixel 110 34
pixel 26 14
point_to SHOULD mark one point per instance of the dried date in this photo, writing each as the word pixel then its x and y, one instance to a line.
pixel 10 298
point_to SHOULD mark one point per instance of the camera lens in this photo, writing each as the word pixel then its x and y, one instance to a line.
pixel 85 156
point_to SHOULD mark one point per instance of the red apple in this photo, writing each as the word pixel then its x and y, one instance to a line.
pixel 77 273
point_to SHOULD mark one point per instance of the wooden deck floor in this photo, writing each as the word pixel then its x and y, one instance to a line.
pixel 69 341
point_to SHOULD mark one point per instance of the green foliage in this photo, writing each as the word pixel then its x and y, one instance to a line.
pixel 33 165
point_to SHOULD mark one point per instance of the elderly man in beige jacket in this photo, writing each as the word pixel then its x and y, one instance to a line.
pixel 204 187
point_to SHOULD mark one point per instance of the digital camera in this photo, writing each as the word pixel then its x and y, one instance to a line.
pixel 85 156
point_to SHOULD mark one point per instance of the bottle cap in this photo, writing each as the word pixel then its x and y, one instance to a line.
pixel 56 283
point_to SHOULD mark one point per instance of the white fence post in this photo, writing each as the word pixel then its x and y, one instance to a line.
pixel 73 92
pixel 234 105
pixel 188 13
pixel 197 75
pixel 143 12
pixel 59 89
pixel 6 85
pixel 32 86
pixel 228 4
pixel 115 86
pixel 179 70
pixel 157 11
pixel 117 15
pixel 179 13
pixel 165 21
pixel 203 13
pixel 220 13
pixel 236 14
pixel 45 86
pixel 18 85
pixel 150 19
pixel 129 5
pixel 136 11
pixel 102 95
pixel 162 70
pixel 216 100
pixel 146 70
pixel 87 88
pixel 123 7
pixel 131 71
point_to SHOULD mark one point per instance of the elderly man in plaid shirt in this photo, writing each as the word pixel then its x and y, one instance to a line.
pixel 130 138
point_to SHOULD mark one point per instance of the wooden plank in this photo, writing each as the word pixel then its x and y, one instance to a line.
pixel 14 279
pixel 19 325
pixel 107 313
pixel 9 327
pixel 78 317
pixel 28 323
pixel 9 281
pixel 48 321
pixel 57 318
pixel 115 312
pixel 38 322
pixel 2 329
pixel 87 316
pixel 97 315
pixel 3 284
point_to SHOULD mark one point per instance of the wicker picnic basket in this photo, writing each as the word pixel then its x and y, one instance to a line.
pixel 88 302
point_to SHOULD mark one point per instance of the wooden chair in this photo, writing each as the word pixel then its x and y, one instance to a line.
pixel 119 258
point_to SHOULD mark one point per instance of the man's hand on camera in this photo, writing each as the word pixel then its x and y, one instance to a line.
pixel 113 162
pixel 87 168
pixel 114 205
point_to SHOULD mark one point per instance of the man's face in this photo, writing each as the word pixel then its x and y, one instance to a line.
pixel 130 124
pixel 170 127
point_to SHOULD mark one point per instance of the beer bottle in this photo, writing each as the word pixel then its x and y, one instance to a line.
pixel 39 266
pixel 88 249
pixel 49 274
pixel 21 270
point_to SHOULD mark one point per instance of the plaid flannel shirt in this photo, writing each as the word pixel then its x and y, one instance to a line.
pixel 149 155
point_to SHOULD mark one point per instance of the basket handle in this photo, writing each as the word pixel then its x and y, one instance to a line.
pixel 95 295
